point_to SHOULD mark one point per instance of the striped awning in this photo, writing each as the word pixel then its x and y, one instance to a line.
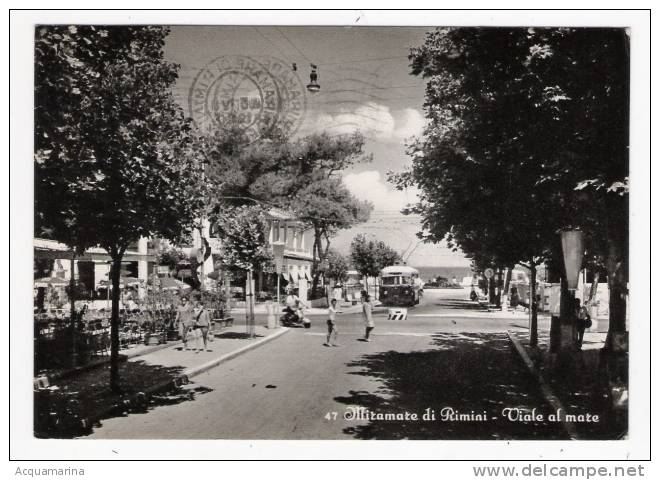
pixel 288 276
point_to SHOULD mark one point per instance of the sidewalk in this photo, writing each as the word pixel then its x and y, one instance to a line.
pixel 580 384
pixel 228 343
pixel 72 405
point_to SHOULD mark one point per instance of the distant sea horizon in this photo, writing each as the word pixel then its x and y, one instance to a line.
pixel 428 273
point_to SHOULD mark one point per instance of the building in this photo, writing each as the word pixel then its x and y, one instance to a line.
pixel 139 261
pixel 93 266
pixel 283 228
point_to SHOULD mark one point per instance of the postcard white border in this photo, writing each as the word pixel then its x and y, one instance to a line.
pixel 24 446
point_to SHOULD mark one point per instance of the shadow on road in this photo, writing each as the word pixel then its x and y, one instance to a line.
pixel 469 372
pixel 65 410
pixel 516 325
pixel 237 335
pixel 455 304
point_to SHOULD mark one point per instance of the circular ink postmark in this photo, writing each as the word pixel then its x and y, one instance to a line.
pixel 257 93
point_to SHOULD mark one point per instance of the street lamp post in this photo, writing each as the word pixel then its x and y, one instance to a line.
pixel 572 246
pixel 322 268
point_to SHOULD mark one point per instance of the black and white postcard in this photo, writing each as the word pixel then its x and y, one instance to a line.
pixel 414 228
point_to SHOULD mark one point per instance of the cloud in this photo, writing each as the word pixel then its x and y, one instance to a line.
pixel 370 186
pixel 410 123
pixel 374 120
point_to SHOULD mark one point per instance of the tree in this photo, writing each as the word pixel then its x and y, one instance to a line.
pixel 370 256
pixel 327 206
pixel 478 174
pixel 243 231
pixel 310 184
pixel 171 257
pixel 507 136
pixel 590 69
pixel 302 176
pixel 113 150
pixel 338 266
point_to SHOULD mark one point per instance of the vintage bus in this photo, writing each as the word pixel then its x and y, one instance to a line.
pixel 400 286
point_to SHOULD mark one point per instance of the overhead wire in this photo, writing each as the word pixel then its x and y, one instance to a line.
pixel 293 45
pixel 363 60
pixel 278 48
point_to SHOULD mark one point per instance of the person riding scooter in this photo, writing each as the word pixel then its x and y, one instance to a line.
pixel 293 312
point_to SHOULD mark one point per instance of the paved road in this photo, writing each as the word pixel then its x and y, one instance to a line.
pixel 444 356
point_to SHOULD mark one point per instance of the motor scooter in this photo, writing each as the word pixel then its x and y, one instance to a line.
pixel 294 318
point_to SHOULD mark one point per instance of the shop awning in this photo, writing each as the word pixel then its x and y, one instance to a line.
pixel 51 281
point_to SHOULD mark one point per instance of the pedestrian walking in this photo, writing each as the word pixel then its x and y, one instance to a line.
pixel 184 320
pixel 202 324
pixel 473 295
pixel 367 316
pixel 583 321
pixel 514 301
pixel 332 327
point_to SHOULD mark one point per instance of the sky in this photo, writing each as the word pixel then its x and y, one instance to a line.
pixel 365 83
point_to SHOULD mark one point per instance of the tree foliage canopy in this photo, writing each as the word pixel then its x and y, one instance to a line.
pixel 338 266
pixel 114 154
pixel 522 123
pixel 113 150
pixel 370 256
pixel 302 176
pixel 244 234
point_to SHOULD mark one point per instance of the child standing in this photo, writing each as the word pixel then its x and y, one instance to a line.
pixel 332 328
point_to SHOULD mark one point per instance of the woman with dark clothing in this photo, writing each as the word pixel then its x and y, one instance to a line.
pixel 582 322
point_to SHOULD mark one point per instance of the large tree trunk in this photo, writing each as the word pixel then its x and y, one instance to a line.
pixel 491 290
pixel 507 281
pixel 316 249
pixel 533 324
pixel 228 292
pixel 567 314
pixel 498 295
pixel 115 273
pixel 617 273
pixel 323 259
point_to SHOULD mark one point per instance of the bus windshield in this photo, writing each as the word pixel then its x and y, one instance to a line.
pixel 390 280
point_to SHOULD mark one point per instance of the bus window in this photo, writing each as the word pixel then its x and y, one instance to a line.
pixel 405 281
pixel 390 280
